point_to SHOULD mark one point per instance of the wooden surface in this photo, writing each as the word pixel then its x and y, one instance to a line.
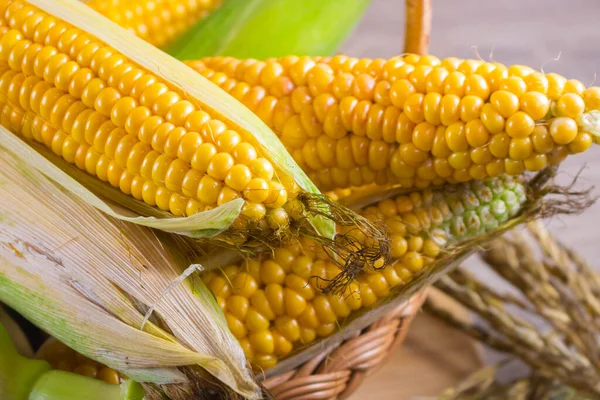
pixel 531 32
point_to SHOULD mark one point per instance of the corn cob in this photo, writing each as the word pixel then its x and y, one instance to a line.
pixel 276 303
pixel 156 21
pixel 109 116
pixel 63 358
pixel 410 120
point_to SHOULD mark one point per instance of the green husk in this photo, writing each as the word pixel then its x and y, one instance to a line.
pixel 198 89
pixel 89 280
pixel 271 28
pixel 16 334
pixel 29 379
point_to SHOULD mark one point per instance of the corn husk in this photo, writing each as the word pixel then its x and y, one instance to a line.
pixel 89 280
pixel 16 334
pixel 198 89
pixel 271 28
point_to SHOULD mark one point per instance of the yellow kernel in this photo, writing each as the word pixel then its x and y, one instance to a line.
pixel 476 133
pixel 400 91
pixel 208 190
pixel 455 84
pixel 520 148
pixel 456 137
pixel 238 306
pixel 535 104
pixel 413 261
pixel 570 105
pixel 271 272
pixel 563 130
pixel 255 321
pixel 581 143
pixel 491 118
pixel 423 136
pixel 470 108
pixel 288 327
pixel 294 303
pixel 499 145
pixel 219 166
pixel 556 85
pixel 237 327
pixel 506 103
pixel 591 97
pixel 574 86
pixel 413 108
pixel 262 341
pixel 476 85
pixel 519 125
pixel 536 162
pixel 460 160
pixel 514 84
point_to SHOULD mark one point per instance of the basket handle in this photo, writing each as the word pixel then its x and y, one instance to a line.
pixel 418 26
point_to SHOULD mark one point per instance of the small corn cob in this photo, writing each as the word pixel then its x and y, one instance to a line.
pixel 276 303
pixel 411 120
pixel 109 116
pixel 63 358
pixel 156 21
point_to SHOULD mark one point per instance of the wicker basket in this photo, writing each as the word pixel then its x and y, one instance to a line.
pixel 337 371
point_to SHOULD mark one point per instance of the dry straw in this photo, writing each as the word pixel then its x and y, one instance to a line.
pixel 553 284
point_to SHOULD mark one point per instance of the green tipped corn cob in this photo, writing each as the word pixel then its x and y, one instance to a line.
pixel 276 303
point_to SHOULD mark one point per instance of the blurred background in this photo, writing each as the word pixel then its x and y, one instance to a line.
pixel 559 35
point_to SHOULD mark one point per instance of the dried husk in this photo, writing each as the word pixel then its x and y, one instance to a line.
pixel 551 285
pixel 89 280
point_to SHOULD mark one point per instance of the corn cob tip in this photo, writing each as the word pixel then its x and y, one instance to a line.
pixel 590 122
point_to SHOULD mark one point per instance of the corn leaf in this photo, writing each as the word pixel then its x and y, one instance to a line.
pixel 271 28
pixel 198 89
pixel 89 280
pixel 200 225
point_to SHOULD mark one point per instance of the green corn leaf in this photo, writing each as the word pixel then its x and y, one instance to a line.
pixel 271 28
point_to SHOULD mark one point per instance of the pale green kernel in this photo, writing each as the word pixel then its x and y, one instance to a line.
pixel 472 222
pixel 498 209
pixel 457 227
pixel 496 185
pixel 509 198
pixel 469 200
pixel 456 206
pixel 487 219
pixel 484 194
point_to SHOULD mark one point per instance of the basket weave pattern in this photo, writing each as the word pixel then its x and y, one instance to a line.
pixel 338 373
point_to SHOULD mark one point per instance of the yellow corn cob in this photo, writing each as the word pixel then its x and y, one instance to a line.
pixel 276 303
pixel 62 357
pixel 95 108
pixel 410 120
pixel 156 21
